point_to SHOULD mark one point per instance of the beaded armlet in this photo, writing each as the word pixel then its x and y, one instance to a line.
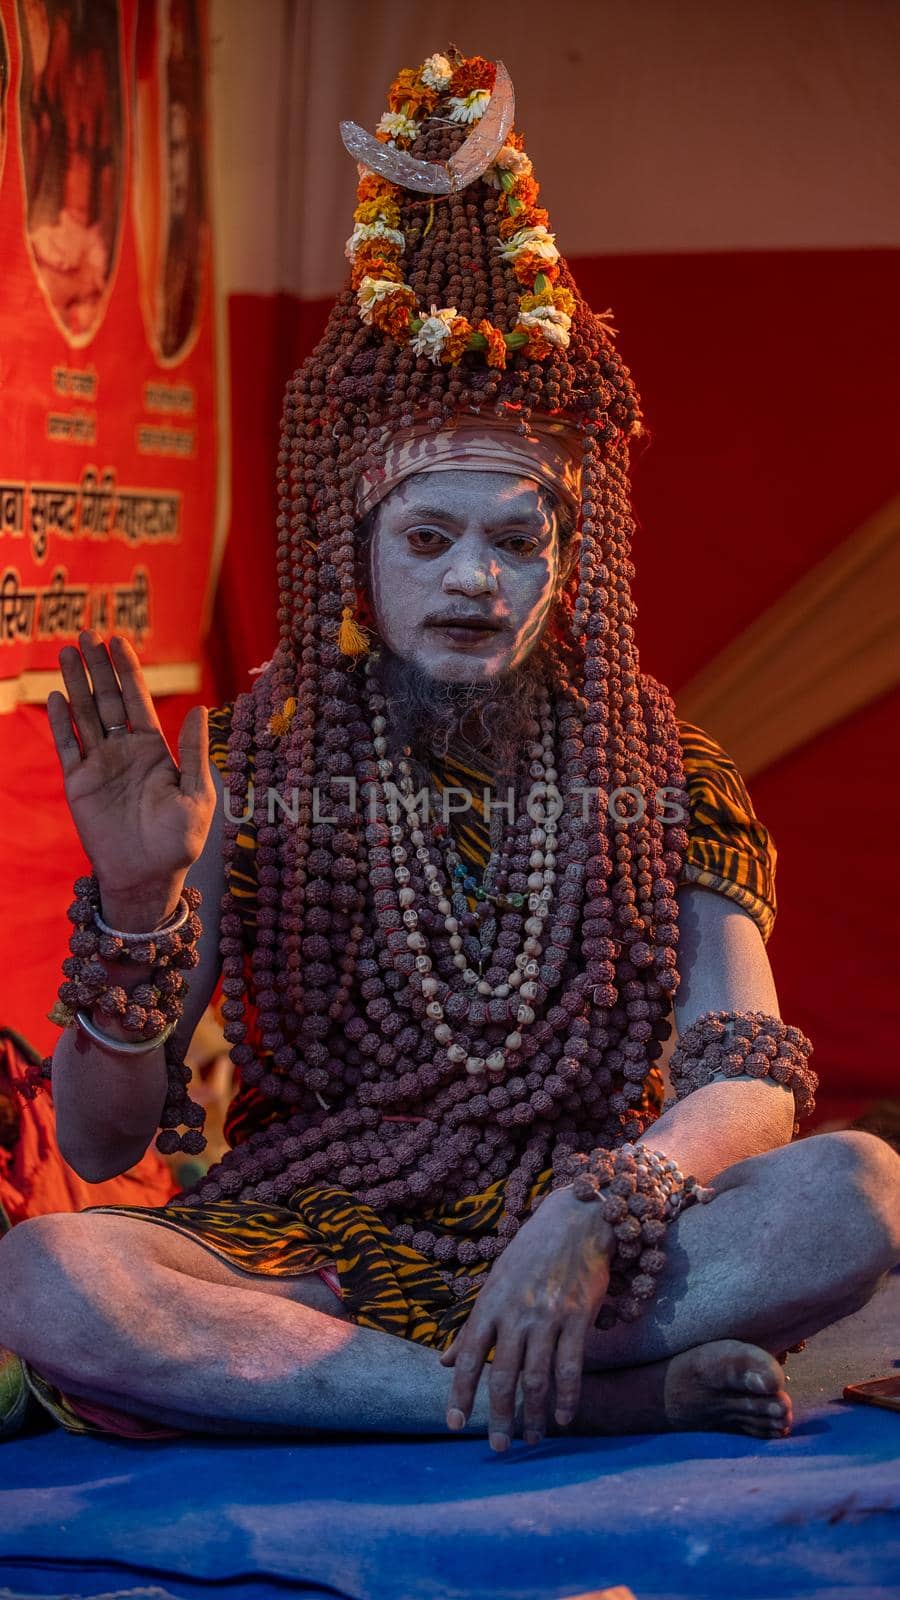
pixel 640 1191
pixel 739 1042
pixel 149 1011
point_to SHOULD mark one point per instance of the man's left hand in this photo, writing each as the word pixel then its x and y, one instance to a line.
pixel 539 1300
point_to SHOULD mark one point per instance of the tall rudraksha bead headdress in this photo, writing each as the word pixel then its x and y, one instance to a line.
pixel 458 304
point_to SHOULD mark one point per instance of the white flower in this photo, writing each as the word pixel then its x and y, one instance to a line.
pixel 372 230
pixel 469 108
pixel 434 333
pixel 509 159
pixel 535 241
pixel 397 125
pixel 437 72
pixel 372 290
pixel 551 322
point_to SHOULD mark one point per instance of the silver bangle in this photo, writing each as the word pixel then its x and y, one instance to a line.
pixel 125 1047
pixel 164 927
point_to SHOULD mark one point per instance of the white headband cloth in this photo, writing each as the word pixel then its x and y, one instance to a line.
pixel 550 452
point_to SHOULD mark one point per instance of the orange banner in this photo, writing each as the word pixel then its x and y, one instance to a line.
pixel 108 414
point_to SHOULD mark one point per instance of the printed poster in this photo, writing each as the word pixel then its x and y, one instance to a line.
pixel 108 400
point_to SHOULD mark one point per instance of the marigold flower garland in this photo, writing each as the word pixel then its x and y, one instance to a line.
pixel 461 92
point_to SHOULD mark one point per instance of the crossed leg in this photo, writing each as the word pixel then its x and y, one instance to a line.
pixel 126 1313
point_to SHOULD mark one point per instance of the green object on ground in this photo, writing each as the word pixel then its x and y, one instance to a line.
pixel 14 1393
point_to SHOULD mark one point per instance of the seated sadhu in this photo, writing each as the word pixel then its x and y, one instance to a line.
pixel 461 869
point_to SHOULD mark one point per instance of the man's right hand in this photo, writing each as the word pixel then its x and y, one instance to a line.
pixel 538 1303
pixel 142 818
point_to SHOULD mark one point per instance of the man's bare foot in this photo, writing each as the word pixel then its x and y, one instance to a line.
pixel 724 1386
pixel 727 1385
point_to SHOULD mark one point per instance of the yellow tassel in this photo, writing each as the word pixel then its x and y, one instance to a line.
pixel 430 223
pixel 351 639
pixel 280 721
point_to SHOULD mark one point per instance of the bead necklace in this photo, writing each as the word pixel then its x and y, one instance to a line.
pixel 464 885
pixel 541 880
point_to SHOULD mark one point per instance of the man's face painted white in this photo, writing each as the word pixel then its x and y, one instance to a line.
pixel 464 572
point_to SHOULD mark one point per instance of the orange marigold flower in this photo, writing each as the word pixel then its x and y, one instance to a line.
pixel 402 87
pixel 370 265
pixel 411 95
pixel 476 73
pixel 526 188
pixel 408 89
pixel 424 100
pixel 528 266
pixel 377 261
pixel 496 352
pixel 529 301
pixel 392 314
pixel 378 249
pixel 538 348
pixel 562 299
pixel 527 217
pixel 371 210
pixel 371 187
pixel 460 334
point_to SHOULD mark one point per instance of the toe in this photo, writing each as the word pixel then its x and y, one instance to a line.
pixel 747 1406
pixel 778 1410
pixel 758 1427
pixel 758 1372
pixel 746 1368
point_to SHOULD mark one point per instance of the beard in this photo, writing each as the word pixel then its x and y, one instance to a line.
pixel 484 724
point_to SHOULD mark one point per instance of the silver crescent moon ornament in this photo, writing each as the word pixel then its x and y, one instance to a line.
pixel 469 162
pixel 423 177
pixel 488 136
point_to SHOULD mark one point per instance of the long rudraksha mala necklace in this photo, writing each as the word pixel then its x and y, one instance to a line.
pixel 526 970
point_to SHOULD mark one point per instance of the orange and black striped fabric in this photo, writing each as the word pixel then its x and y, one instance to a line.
pixel 384 1285
pixel 729 850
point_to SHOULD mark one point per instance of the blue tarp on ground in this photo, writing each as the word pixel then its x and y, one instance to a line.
pixel 673 1516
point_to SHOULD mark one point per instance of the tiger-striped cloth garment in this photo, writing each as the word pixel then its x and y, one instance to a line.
pixel 383 1284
